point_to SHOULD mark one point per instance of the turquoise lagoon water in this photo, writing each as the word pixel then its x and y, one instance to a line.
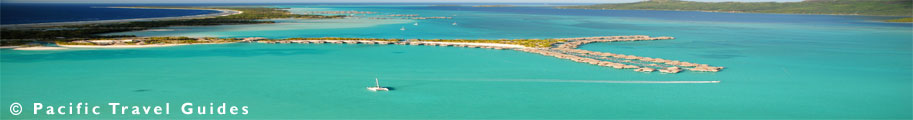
pixel 778 66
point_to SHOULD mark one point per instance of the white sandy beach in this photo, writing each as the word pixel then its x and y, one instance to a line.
pixel 132 46
pixel 39 48
pixel 119 46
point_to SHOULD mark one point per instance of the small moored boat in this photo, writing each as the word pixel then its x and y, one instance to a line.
pixel 377 86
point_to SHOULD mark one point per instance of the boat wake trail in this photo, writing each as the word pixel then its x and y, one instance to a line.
pixel 571 81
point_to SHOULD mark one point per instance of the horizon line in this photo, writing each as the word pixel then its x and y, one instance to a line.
pixel 560 2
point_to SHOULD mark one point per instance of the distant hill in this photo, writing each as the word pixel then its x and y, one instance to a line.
pixel 834 7
pixel 901 20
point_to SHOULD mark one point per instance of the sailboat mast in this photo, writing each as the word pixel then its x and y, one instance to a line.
pixel 377 82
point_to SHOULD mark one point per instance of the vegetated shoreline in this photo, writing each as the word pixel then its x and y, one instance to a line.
pixel 717 11
pixel 807 7
pixel 714 11
pixel 222 12
pixel 900 20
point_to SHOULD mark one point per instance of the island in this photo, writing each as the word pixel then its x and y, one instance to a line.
pixel 829 7
pixel 19 35
pixel 493 6
pixel 222 12
pixel 901 20
pixel 138 42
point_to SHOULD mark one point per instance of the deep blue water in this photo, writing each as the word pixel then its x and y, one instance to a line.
pixel 18 13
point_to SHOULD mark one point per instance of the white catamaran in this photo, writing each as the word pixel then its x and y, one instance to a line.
pixel 377 86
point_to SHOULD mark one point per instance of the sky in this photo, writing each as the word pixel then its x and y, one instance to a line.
pixel 356 1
